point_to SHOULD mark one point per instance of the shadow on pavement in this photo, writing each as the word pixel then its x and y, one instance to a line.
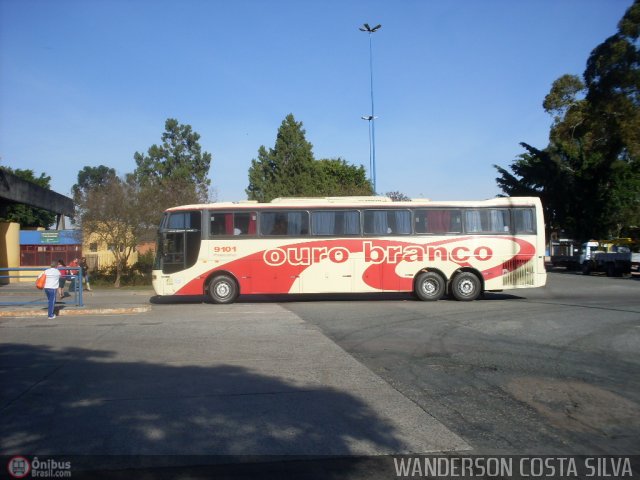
pixel 318 297
pixel 87 402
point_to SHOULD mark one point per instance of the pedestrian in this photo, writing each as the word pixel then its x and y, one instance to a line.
pixel 51 286
pixel 73 274
pixel 85 272
pixel 63 278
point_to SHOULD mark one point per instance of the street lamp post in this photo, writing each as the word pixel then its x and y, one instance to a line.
pixel 371 118
pixel 372 170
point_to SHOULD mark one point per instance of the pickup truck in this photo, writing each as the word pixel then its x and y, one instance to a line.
pixel 615 262
pixel 635 263
pixel 565 253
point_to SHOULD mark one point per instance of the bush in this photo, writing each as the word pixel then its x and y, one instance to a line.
pixel 144 265
pixel 135 275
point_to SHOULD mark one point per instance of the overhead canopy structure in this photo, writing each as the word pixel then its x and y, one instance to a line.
pixel 16 190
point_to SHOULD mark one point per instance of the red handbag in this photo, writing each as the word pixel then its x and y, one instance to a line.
pixel 40 281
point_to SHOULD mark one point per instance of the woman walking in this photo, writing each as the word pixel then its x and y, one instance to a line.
pixel 85 272
pixel 61 266
pixel 51 285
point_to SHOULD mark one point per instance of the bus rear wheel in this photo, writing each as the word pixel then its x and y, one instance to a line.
pixel 429 286
pixel 223 289
pixel 465 287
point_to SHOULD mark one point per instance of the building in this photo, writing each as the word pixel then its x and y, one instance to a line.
pixel 100 255
pixel 42 247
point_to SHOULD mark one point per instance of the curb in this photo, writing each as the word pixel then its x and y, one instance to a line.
pixel 79 311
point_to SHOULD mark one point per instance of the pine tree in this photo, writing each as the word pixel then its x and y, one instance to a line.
pixel 287 169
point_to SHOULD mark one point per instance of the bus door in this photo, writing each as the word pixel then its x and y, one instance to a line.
pixel 179 247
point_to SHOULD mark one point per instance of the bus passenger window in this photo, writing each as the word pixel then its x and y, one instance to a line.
pixel 331 222
pixel 244 223
pixel 487 220
pixel 524 220
pixel 375 222
pixel 232 223
pixel 324 223
pixel 499 220
pixel 438 221
pixel 280 226
pixel 219 223
pixel 387 222
pixel 293 223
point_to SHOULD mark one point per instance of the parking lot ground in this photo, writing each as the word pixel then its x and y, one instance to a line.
pixel 342 380
pixel 554 370
pixel 244 379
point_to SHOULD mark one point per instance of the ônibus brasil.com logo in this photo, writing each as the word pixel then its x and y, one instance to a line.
pixel 20 467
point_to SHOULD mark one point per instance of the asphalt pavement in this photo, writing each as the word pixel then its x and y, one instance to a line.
pixel 128 374
pixel 352 378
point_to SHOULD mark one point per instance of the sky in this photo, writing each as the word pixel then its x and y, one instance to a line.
pixel 457 84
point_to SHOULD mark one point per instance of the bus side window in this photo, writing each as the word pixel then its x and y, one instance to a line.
pixel 437 222
pixel 244 223
pixel 324 223
pixel 387 222
pixel 289 223
pixel 335 222
pixel 420 221
pixel 219 223
pixel 524 220
pixel 487 220
pixel 376 222
pixel 500 220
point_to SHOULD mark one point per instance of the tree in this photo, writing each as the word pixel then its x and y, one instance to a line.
pixel 589 175
pixel 286 169
pixel 114 211
pixel 397 196
pixel 177 170
pixel 25 215
pixel 335 177
pixel 612 79
pixel 90 178
pixel 289 169
pixel 544 174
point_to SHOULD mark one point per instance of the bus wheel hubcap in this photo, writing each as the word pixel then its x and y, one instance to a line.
pixel 466 287
pixel 429 288
pixel 222 289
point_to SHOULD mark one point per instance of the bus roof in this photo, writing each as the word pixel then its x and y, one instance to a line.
pixel 359 202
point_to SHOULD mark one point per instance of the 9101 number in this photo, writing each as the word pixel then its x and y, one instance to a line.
pixel 224 249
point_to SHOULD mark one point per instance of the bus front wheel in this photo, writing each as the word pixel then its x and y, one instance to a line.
pixel 223 289
pixel 430 286
pixel 465 286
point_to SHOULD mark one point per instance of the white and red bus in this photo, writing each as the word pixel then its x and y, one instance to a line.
pixel 351 244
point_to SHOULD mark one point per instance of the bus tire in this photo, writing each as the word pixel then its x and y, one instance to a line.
pixel 465 287
pixel 223 289
pixel 429 286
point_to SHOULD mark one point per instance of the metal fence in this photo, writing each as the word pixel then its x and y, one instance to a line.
pixel 24 293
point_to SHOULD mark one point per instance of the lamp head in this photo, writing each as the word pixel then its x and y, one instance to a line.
pixel 367 28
